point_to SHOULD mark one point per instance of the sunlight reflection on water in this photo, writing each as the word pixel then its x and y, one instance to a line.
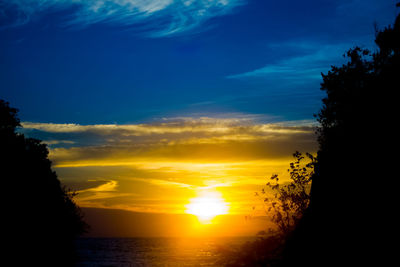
pixel 153 251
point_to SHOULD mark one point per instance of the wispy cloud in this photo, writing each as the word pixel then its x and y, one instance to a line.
pixel 107 186
pixel 160 165
pixel 153 17
pixel 307 64
pixel 103 192
pixel 197 139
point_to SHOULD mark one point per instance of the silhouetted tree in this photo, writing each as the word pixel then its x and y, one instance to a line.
pixel 285 208
pixel 289 200
pixel 40 219
pixel 349 196
pixel 350 219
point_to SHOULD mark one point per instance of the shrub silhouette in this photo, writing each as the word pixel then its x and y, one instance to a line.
pixel 285 207
pixel 41 219
pixel 289 200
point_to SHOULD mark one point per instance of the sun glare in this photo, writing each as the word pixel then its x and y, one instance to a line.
pixel 207 206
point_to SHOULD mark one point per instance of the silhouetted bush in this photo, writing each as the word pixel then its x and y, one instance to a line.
pixel 290 200
pixel 40 219
pixel 285 208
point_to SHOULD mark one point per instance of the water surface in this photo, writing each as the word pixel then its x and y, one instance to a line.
pixel 154 251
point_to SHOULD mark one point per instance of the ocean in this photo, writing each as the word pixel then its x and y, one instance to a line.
pixel 128 252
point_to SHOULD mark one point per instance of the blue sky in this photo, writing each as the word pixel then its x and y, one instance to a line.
pixel 130 61
pixel 148 104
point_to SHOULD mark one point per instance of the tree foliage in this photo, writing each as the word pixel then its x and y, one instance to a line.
pixel 353 176
pixel 357 119
pixel 41 218
pixel 290 200
pixel 350 207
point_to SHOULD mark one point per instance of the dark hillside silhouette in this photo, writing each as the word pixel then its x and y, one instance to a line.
pixel 40 219
pixel 348 220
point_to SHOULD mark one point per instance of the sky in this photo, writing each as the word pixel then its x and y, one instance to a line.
pixel 147 104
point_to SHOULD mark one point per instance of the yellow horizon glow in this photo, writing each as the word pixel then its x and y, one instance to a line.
pixel 207 206
pixel 174 166
pixel 198 173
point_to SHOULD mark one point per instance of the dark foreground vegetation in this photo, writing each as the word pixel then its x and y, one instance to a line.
pixel 40 221
pixel 344 219
pixel 352 203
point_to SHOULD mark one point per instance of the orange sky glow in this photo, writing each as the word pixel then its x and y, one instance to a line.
pixel 206 167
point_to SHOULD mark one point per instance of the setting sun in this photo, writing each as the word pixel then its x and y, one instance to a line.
pixel 207 206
